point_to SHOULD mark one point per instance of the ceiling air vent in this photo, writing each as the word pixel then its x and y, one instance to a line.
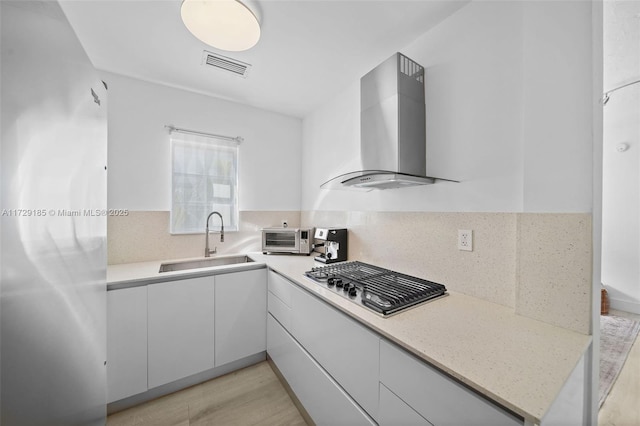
pixel 225 64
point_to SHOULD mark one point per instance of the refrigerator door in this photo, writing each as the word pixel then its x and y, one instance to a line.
pixel 52 222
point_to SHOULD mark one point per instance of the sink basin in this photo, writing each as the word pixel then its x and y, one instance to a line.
pixel 203 263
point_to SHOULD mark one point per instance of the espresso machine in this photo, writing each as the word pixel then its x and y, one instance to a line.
pixel 331 243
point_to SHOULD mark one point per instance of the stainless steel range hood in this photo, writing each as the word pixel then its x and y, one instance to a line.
pixel 392 129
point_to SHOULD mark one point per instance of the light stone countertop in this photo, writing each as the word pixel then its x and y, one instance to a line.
pixel 518 362
pixel 136 274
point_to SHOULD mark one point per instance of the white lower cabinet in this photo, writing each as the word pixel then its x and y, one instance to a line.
pixel 279 310
pixel 279 298
pixel 342 372
pixel 280 287
pixel 346 349
pixel 333 363
pixel 325 401
pixel 180 329
pixel 342 349
pixel 395 412
pixel 126 342
pixel 162 332
pixel 240 315
pixel 434 396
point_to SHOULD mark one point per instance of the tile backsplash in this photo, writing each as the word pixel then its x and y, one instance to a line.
pixel 555 269
pixel 144 235
pixel 537 264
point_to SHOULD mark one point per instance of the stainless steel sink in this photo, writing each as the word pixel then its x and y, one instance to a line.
pixel 203 263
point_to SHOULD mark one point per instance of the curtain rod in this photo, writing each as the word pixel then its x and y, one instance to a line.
pixel 238 139
pixel 605 97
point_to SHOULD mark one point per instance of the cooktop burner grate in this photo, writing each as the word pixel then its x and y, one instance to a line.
pixel 381 290
pixel 353 270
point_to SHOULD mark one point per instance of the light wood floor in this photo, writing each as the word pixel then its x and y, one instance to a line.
pixel 622 407
pixel 250 396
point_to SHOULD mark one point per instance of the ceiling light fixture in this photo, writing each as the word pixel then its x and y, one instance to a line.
pixel 224 24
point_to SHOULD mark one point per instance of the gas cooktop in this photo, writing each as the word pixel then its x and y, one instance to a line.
pixel 383 291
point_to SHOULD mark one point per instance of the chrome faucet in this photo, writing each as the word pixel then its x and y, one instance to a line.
pixel 207 252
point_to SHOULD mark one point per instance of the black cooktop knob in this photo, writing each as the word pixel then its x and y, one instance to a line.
pixel 331 281
pixel 346 287
pixel 338 282
pixel 353 292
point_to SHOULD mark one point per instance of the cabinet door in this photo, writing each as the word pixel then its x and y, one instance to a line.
pixel 181 329
pixel 395 412
pixel 240 315
pixel 126 342
pixel 321 396
pixel 347 350
pixel 435 396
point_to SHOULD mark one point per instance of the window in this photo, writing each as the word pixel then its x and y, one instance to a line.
pixel 204 179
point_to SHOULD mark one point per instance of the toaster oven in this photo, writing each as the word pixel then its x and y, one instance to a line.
pixel 287 240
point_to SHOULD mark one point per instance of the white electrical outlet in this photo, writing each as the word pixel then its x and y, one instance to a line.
pixel 465 239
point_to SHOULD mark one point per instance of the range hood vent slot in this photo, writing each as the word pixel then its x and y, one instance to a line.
pixel 225 64
pixel 411 69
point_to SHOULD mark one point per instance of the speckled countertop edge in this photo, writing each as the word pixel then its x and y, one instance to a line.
pixel 520 363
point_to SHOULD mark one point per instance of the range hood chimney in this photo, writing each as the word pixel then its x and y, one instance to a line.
pixel 392 129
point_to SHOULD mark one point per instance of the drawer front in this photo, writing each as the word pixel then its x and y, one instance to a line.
pixel 347 350
pixel 324 400
pixel 280 287
pixel 279 310
pixel 395 412
pixel 436 397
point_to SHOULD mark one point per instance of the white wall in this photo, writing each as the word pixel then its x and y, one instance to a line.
pixel 509 100
pixel 621 170
pixel 139 158
pixel 558 100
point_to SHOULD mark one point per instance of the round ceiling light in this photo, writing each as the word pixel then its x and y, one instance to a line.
pixel 224 24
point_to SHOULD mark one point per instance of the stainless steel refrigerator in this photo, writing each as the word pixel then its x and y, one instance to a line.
pixel 53 226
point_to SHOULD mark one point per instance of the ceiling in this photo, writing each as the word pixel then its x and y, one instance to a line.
pixel 309 50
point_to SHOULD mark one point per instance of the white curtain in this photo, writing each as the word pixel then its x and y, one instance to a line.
pixel 204 179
